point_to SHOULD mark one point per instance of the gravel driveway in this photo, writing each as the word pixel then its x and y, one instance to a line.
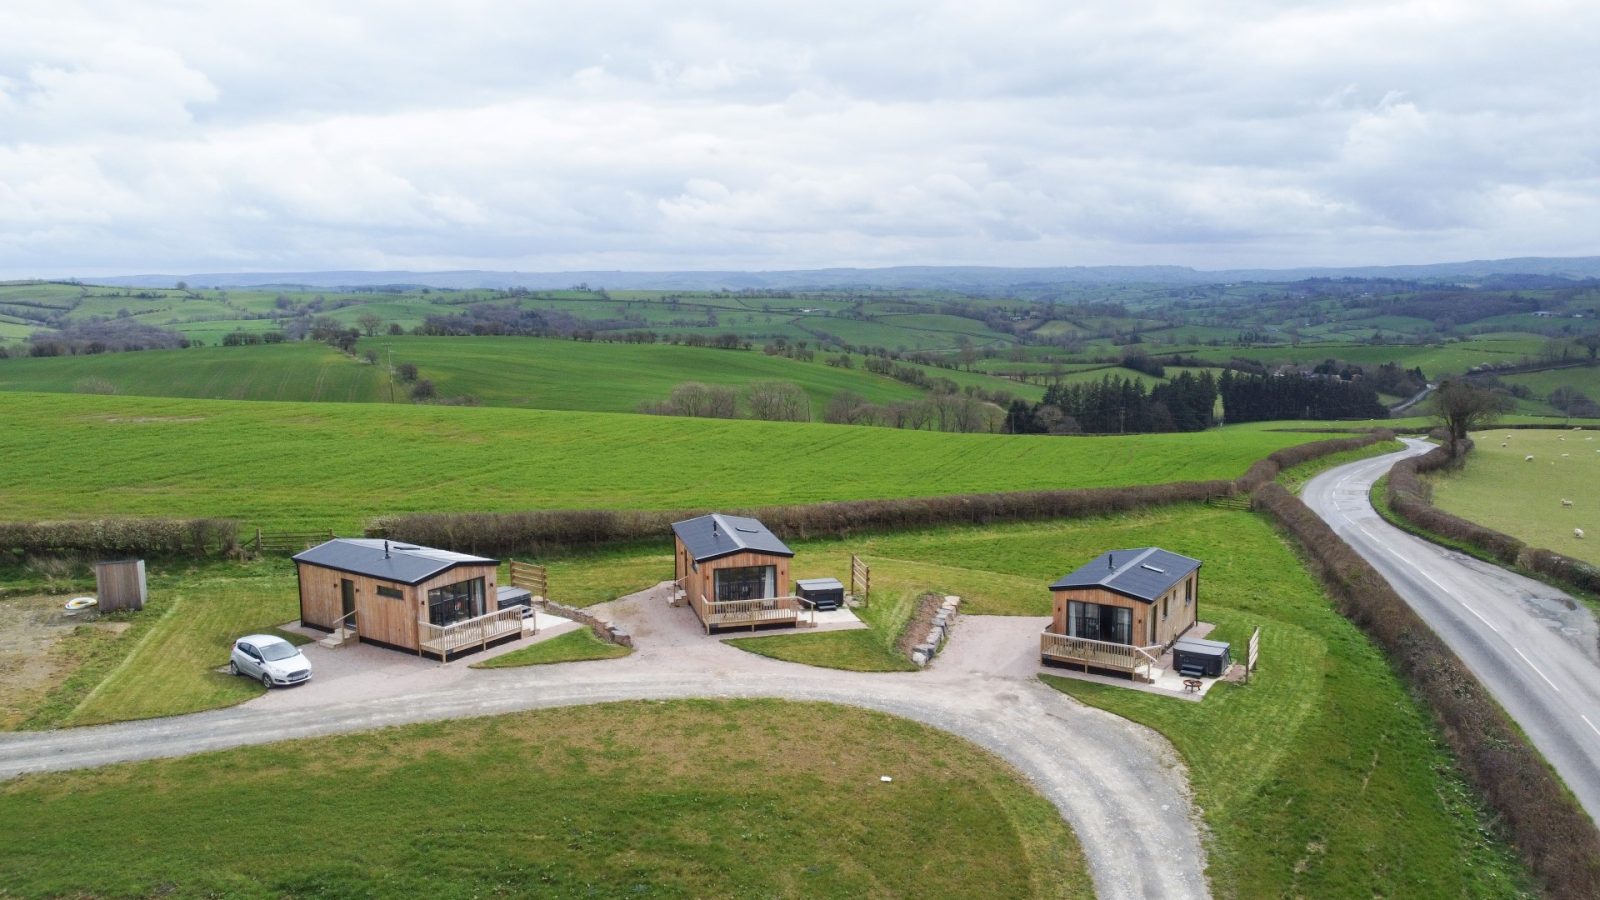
pixel 1120 786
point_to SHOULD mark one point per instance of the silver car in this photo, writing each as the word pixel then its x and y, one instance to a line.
pixel 270 660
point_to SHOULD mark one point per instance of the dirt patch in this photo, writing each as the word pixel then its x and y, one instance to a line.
pixel 30 627
pixel 917 626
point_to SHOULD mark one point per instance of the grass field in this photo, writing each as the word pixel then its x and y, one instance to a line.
pixel 539 373
pixel 1497 488
pixel 304 466
pixel 296 371
pixel 576 375
pixel 574 646
pixel 686 799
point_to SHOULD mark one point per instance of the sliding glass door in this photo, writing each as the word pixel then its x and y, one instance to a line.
pixel 746 583
pixel 1099 622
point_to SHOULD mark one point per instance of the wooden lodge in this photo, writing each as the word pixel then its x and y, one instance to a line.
pixel 403 597
pixel 733 572
pixel 1122 610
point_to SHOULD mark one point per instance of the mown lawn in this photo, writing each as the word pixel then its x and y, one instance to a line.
pixel 1498 488
pixel 574 646
pixel 296 467
pixel 166 664
pixel 682 799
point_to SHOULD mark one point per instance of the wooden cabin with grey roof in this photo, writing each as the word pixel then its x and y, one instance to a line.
pixel 1122 609
pixel 733 572
pixel 403 596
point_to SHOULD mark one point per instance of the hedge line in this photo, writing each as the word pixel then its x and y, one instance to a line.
pixel 1265 470
pixel 1410 497
pixel 144 537
pixel 542 531
pixel 1553 834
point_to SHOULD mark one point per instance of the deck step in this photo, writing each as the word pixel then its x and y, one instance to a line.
pixel 338 638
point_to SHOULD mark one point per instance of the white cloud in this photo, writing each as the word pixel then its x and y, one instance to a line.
pixel 184 136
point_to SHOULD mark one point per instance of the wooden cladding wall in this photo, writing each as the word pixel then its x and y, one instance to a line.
pixel 699 581
pixel 1180 616
pixel 389 620
pixel 120 585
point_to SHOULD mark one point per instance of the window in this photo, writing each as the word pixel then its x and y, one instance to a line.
pixel 392 593
pixel 1100 623
pixel 456 602
pixel 1188 590
pixel 746 583
pixel 1164 599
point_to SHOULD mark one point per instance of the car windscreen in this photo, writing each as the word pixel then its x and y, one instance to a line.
pixel 278 651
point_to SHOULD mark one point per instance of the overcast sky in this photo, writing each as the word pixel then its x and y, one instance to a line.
pixel 226 136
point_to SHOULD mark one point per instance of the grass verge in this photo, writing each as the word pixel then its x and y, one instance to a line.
pixel 682 799
pixel 574 646
pixel 1295 478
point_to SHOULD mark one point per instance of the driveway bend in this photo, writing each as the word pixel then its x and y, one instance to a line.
pixel 1533 647
pixel 1120 786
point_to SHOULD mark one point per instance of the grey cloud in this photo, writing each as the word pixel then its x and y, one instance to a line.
pixel 296 135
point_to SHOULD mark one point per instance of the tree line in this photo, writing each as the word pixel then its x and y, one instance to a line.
pixel 1118 405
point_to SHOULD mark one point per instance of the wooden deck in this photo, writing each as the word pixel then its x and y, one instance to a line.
pixel 1139 662
pixel 444 640
pixel 747 613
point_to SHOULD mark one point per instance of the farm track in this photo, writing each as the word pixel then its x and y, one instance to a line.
pixel 1120 786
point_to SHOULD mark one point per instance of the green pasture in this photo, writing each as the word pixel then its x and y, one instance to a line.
pixel 681 799
pixel 300 371
pixel 294 467
pixel 1499 488
pixel 605 377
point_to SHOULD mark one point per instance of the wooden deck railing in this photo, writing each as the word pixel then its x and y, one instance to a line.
pixel 730 613
pixel 1137 661
pixel 447 639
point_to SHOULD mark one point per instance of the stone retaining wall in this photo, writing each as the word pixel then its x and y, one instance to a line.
pixel 944 619
pixel 602 629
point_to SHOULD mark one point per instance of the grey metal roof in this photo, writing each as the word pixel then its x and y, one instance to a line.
pixel 1143 573
pixel 715 536
pixel 388 560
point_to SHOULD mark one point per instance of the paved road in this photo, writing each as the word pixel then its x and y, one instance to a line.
pixel 1533 647
pixel 1121 786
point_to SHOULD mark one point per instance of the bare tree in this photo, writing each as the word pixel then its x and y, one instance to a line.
pixel 370 323
pixel 777 401
pixel 847 408
pixel 1462 407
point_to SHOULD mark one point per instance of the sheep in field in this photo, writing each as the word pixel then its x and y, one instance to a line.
pixel 1566 502
pixel 1528 458
pixel 1577 533
pixel 1564 455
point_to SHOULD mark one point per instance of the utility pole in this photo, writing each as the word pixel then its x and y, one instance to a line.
pixel 390 348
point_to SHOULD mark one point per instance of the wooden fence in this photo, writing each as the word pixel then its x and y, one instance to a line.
pixel 531 578
pixel 860 580
pixel 286 542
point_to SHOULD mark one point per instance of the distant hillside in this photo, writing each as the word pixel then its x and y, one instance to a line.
pixel 956 278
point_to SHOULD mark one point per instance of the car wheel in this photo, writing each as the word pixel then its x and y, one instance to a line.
pixel 266 681
pixel 233 667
